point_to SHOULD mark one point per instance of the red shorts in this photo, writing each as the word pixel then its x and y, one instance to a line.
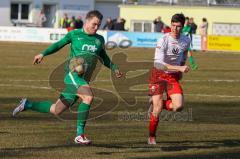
pixel 160 81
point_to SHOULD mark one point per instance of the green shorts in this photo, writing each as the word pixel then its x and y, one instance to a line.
pixel 72 82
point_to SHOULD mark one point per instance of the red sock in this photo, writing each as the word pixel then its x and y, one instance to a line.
pixel 166 105
pixel 153 125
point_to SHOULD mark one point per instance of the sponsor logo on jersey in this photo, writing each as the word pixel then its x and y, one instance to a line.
pixel 175 51
pixel 91 48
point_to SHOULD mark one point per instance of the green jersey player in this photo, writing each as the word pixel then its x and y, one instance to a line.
pixel 86 47
pixel 187 30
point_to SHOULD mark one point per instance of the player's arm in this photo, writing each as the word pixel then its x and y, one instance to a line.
pixel 183 69
pixel 168 67
pixel 109 64
pixel 191 60
pixel 52 49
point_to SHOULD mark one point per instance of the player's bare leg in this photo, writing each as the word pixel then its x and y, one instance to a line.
pixel 85 93
pixel 165 104
pixel 58 107
pixel 176 102
pixel 154 118
pixel 150 108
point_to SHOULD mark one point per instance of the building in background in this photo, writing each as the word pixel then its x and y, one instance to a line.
pixel 109 8
pixel 221 14
pixel 25 12
pixel 221 19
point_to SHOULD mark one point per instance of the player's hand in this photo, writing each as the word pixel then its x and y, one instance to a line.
pixel 194 66
pixel 37 59
pixel 118 73
pixel 184 69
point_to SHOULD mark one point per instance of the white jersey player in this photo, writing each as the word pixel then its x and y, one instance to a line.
pixel 169 64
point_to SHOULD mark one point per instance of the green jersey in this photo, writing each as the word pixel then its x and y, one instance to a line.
pixel 89 47
pixel 186 30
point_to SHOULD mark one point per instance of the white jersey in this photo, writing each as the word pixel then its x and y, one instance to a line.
pixel 171 51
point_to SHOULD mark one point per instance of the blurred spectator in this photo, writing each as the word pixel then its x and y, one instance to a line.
pixel 203 33
pixel 41 19
pixel 72 25
pixel 193 26
pixel 187 27
pixel 73 22
pixel 79 22
pixel 119 24
pixel 187 30
pixel 204 27
pixel 108 25
pixel 65 22
pixel 166 29
pixel 158 24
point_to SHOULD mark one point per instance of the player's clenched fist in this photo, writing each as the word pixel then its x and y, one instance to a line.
pixel 37 59
pixel 184 69
pixel 118 73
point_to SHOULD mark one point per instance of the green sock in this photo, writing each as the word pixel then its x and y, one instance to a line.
pixel 42 107
pixel 83 111
pixel 191 60
pixel 192 63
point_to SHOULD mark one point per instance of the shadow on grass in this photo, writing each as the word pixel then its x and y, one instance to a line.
pixel 143 148
pixel 21 152
pixel 216 155
pixel 179 146
pixel 186 145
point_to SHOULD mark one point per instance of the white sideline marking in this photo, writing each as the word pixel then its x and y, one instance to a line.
pixel 48 88
pixel 41 80
pixel 213 80
pixel 25 86
pixel 46 80
pixel 23 80
pixel 17 67
pixel 28 67
pixel 212 95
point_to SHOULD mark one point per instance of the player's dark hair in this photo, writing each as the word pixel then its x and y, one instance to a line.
pixel 178 18
pixel 94 13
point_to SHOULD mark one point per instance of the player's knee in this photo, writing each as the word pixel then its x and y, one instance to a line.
pixel 157 107
pixel 87 99
pixel 54 110
pixel 156 111
pixel 177 107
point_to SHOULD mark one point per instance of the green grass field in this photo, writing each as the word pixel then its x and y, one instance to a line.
pixel 208 128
